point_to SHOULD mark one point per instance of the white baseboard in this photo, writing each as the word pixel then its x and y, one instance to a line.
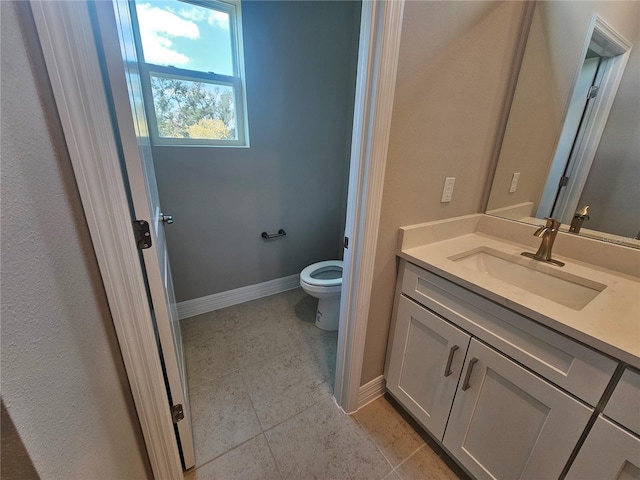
pixel 371 390
pixel 220 300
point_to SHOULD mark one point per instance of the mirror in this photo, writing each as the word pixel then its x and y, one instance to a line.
pixel 561 150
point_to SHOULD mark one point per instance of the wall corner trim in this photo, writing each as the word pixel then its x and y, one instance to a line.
pixel 371 391
pixel 216 301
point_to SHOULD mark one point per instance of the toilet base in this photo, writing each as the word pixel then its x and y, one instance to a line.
pixel 328 314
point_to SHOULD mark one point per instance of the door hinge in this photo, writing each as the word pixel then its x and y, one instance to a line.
pixel 142 234
pixel 564 181
pixel 593 92
pixel 346 242
pixel 177 413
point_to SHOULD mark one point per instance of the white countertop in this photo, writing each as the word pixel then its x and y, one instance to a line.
pixel 609 323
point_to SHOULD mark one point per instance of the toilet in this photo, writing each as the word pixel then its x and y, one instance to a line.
pixel 323 280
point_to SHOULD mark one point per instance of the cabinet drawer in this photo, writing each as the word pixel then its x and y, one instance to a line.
pixel 624 404
pixel 565 362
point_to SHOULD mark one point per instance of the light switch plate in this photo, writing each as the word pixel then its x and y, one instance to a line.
pixel 447 192
pixel 514 182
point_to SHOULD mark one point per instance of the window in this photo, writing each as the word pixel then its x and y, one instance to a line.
pixel 192 71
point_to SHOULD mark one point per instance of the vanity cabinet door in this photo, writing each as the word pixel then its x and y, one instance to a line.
pixel 425 364
pixel 608 453
pixel 624 405
pixel 507 423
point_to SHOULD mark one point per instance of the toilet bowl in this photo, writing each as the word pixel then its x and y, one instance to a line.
pixel 323 280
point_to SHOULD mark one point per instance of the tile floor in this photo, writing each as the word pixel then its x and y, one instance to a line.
pixel 260 378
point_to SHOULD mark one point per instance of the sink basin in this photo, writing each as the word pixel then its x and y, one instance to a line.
pixel 533 276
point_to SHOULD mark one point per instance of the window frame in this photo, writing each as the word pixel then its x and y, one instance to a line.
pixel 236 81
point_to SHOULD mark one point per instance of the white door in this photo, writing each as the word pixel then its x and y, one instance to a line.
pixel 121 60
pixel 575 113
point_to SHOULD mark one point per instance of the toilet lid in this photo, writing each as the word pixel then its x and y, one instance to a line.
pixel 323 274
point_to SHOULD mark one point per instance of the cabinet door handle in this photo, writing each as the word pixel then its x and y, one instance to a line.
pixel 466 385
pixel 447 368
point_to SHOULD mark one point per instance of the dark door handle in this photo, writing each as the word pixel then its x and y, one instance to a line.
pixel 467 378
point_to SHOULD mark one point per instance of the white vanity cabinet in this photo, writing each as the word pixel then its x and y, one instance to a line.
pixel 508 423
pixel 507 397
pixel 427 357
pixel 609 452
pixel 624 405
pixel 612 447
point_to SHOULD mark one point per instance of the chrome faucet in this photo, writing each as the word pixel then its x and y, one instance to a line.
pixel 548 234
pixel 580 216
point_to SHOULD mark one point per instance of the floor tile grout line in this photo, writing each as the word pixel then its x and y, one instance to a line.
pixel 229 451
pixel 275 460
pixel 273 457
pixel 414 452
pixel 266 310
pixel 407 459
pixel 279 352
pixel 380 448
pixel 393 471
pixel 300 413
pixel 364 429
pixel 281 422
pixel 293 416
pixel 255 411
pixel 197 385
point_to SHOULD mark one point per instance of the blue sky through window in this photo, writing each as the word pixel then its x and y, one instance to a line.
pixel 184 35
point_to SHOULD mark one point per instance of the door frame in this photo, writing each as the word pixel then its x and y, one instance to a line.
pixel 378 51
pixel 67 39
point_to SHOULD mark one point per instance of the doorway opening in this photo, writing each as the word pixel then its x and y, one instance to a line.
pixel 67 37
pixel 222 349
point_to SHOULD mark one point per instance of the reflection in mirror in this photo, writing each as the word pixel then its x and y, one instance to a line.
pixel 573 134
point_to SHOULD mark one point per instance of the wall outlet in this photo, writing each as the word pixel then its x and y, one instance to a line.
pixel 514 182
pixel 447 192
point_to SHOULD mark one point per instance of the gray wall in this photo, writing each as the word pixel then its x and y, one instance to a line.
pixel 455 62
pixel 63 381
pixel 612 189
pixel 300 60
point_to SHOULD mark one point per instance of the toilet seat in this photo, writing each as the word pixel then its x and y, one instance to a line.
pixel 307 275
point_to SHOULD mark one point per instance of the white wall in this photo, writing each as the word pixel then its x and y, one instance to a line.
pixel 63 380
pixel 455 61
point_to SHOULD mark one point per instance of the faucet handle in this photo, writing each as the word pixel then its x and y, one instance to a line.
pixel 552 223
pixel 582 213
